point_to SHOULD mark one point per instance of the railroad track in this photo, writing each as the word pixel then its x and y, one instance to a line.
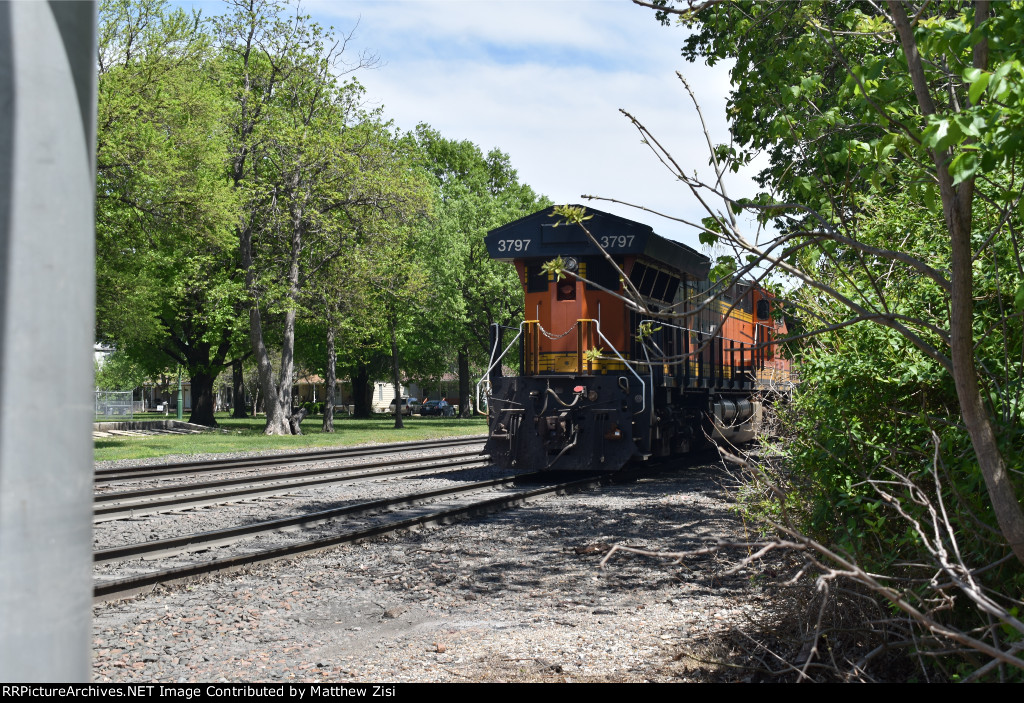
pixel 406 512
pixel 152 500
pixel 187 468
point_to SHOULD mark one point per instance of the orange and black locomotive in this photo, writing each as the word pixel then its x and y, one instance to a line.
pixel 603 379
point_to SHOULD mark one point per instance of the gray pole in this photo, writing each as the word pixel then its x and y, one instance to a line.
pixel 47 190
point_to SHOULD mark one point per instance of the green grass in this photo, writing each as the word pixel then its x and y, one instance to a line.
pixel 247 436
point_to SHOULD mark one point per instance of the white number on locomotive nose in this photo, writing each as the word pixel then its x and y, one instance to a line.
pixel 618 240
pixel 513 244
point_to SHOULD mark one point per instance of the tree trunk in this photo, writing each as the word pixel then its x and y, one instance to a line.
pixel 395 376
pixel 295 421
pixel 361 392
pixel 276 394
pixel 957 204
pixel 276 410
pixel 284 378
pixel 329 400
pixel 202 399
pixel 238 391
pixel 464 381
pixel 265 370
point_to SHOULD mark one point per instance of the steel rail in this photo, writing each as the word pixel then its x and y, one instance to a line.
pixel 185 488
pixel 121 588
pixel 234 464
pixel 201 541
pixel 206 494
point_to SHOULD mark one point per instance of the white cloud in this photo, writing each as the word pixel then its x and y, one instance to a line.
pixel 598 26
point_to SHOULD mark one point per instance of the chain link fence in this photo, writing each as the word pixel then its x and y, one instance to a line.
pixel 114 404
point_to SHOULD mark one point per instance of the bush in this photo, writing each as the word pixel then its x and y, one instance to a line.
pixel 876 468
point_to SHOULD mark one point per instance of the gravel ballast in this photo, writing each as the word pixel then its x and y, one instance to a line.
pixel 516 596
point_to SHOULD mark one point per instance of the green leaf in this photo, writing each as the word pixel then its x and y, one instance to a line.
pixel 571 215
pixel 964 166
pixel 723 268
pixel 988 161
pixel 1018 299
pixel 647 328
pixel 942 133
pixel 972 74
pixel 710 235
pixel 556 266
pixel 978 87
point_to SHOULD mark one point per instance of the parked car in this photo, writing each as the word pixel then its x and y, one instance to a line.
pixel 431 407
pixel 408 405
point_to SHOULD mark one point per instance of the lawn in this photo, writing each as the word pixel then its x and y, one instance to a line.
pixel 247 436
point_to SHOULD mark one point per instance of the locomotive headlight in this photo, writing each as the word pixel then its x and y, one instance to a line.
pixel 571 264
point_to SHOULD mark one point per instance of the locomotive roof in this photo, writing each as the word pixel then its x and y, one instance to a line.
pixel 536 236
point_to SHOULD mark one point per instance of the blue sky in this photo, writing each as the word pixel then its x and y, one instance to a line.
pixel 543 80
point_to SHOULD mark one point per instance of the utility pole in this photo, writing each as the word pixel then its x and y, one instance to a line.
pixel 47 307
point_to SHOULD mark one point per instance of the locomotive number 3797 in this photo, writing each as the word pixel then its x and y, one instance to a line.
pixel 622 241
pixel 513 244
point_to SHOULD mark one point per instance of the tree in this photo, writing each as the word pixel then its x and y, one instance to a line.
pixel 894 136
pixel 476 193
pixel 311 167
pixel 339 299
pixel 331 335
pixel 401 286
pixel 118 372
pixel 940 151
pixel 167 290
